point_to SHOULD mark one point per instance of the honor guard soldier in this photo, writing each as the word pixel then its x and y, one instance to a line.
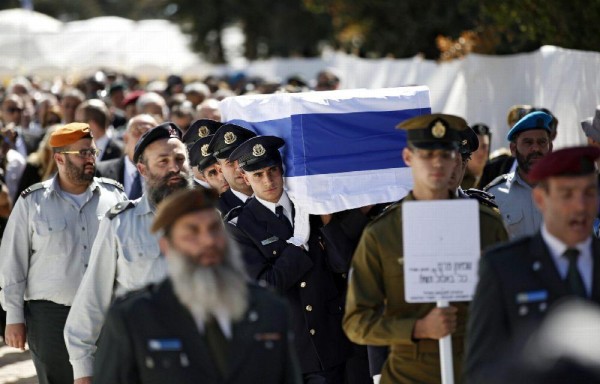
pixel 521 280
pixel 529 142
pixel 225 141
pixel 206 323
pixel 46 249
pixel 376 310
pixel 125 255
pixel 282 248
pixel 200 130
pixel 204 166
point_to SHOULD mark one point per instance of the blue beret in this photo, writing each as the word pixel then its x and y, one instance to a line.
pixel 533 120
pixel 164 131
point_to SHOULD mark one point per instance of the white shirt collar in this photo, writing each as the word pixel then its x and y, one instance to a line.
pixel 240 195
pixel 557 247
pixel 284 201
pixel 224 321
pixel 130 168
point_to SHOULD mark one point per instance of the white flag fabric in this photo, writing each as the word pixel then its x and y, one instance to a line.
pixel 342 149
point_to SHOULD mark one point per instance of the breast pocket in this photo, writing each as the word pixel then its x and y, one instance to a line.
pixel 140 264
pixel 514 220
pixel 49 227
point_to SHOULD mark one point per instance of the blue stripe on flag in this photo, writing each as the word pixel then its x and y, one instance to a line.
pixel 327 143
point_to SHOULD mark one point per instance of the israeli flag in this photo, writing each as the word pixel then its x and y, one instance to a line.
pixel 342 149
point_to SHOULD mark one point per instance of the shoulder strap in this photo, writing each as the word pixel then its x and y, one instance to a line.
pixel 107 180
pixel 32 188
pixel 119 208
pixel 498 180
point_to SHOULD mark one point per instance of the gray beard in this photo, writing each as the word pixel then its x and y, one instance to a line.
pixel 204 291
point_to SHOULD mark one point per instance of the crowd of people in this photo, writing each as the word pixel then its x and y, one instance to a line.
pixel 146 241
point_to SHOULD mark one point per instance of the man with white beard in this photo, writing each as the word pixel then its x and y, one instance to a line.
pixel 206 323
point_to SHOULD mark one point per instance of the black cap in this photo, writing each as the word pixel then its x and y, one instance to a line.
pixel 258 152
pixel 227 138
pixel 199 129
pixel 434 131
pixel 164 131
pixel 481 129
pixel 199 155
pixel 469 142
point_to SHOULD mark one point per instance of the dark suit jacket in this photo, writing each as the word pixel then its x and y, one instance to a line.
pixel 307 279
pixel 113 150
pixel 113 169
pixel 228 201
pixel 501 313
pixel 261 351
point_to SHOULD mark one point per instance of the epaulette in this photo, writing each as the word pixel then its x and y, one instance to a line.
pixel 232 214
pixel 119 208
pixel 498 180
pixel 387 210
pixel 107 180
pixel 482 197
pixel 32 188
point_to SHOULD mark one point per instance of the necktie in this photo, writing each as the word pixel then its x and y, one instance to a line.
pixel 217 343
pixel 136 187
pixel 284 220
pixel 574 280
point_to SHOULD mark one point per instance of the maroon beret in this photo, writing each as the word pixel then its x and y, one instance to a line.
pixel 574 161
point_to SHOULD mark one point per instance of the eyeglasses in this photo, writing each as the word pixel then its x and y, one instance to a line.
pixel 85 153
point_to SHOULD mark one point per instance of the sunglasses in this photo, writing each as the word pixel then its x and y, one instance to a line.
pixel 84 153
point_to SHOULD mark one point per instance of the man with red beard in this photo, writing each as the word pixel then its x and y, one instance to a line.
pixel 529 141
pixel 125 255
pixel 46 248
pixel 206 323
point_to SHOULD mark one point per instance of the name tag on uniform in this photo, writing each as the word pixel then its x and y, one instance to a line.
pixel 164 344
pixel 269 240
pixel 532 297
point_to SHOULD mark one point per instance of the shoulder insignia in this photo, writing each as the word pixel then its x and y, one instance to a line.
pixel 498 180
pixel 388 209
pixel 107 180
pixel 119 208
pixel 482 197
pixel 232 214
pixel 32 188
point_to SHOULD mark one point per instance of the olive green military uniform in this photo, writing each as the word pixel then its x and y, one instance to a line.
pixel 376 312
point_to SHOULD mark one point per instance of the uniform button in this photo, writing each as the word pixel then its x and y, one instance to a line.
pixel 50 228
pixel 312 332
pixel 308 308
pixel 274 252
pixel 85 265
pixel 303 284
pixel 344 275
pixel 83 228
pixel 85 247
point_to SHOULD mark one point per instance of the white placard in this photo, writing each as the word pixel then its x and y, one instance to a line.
pixel 441 250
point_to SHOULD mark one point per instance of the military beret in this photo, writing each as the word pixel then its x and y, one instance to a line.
pixel 469 141
pixel 199 129
pixel 227 138
pixel 69 134
pixel 164 131
pixel 199 155
pixel 434 131
pixel 574 161
pixel 533 120
pixel 258 152
pixel 132 97
pixel 591 126
pixel 181 203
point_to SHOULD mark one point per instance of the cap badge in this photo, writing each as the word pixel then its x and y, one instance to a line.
pixel 173 132
pixel 230 138
pixel 258 150
pixel 464 142
pixel 204 150
pixel 203 131
pixel 438 130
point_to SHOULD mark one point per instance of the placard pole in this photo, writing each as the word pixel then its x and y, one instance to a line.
pixel 446 362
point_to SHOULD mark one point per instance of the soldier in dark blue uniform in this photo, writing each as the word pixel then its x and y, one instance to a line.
pixel 283 248
pixel 226 140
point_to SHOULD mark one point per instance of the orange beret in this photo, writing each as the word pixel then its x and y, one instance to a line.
pixel 69 134
pixel 181 203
